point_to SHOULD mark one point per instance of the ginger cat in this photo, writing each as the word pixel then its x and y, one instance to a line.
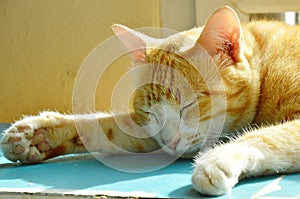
pixel 257 95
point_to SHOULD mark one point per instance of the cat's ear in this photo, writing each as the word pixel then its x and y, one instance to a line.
pixel 223 34
pixel 134 41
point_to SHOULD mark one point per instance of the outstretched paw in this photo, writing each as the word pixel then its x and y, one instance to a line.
pixel 219 170
pixel 33 139
pixel 25 144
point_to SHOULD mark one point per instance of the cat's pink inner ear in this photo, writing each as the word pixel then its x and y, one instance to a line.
pixel 132 41
pixel 222 34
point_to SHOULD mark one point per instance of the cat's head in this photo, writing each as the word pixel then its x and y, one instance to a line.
pixel 194 81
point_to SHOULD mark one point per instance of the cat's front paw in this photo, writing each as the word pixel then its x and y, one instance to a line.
pixel 217 171
pixel 35 138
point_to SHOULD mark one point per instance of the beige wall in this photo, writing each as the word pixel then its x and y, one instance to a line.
pixel 43 43
pixel 205 9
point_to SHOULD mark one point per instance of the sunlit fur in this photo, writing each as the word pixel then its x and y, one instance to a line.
pixel 262 89
pixel 222 79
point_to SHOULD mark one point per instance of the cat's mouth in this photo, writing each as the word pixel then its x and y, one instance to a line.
pixel 179 147
pixel 171 145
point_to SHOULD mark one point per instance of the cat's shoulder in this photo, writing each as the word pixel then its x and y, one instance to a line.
pixel 269 27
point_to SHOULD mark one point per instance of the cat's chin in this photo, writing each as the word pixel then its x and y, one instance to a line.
pixel 187 153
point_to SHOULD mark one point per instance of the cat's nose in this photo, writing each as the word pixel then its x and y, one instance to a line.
pixel 171 144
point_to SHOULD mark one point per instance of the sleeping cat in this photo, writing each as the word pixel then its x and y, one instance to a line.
pixel 258 95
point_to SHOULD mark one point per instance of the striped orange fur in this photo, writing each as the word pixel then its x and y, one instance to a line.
pixel 201 84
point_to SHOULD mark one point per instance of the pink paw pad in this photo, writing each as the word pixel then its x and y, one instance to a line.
pixel 24 144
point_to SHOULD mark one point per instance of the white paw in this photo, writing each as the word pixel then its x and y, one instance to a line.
pixel 28 140
pixel 24 143
pixel 218 170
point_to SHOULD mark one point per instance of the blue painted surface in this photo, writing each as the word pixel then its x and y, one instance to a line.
pixel 172 181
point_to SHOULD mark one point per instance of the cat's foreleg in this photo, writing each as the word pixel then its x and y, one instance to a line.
pixel 270 150
pixel 50 134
